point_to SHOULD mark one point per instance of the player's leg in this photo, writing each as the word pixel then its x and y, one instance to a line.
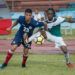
pixel 46 35
pixel 34 36
pixel 25 54
pixel 15 43
pixel 67 56
pixel 66 53
pixel 9 56
pixel 61 44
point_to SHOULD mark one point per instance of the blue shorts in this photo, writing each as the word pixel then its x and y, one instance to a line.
pixel 18 40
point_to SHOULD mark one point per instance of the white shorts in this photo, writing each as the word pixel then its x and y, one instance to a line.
pixel 57 40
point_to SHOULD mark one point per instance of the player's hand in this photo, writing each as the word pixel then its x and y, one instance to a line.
pixel 43 33
pixel 8 29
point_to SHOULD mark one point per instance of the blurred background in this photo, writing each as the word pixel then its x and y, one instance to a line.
pixel 64 8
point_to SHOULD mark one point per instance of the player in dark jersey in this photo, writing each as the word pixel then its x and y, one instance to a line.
pixel 27 25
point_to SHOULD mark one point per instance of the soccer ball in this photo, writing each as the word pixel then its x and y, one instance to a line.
pixel 39 40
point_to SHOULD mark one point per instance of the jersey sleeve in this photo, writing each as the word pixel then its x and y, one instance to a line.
pixel 38 24
pixel 59 21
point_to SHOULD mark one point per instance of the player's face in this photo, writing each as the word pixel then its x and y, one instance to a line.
pixel 50 15
pixel 28 16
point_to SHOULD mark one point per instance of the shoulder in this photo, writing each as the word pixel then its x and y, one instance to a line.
pixel 33 20
pixel 21 19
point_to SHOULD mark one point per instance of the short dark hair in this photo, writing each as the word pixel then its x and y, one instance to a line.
pixel 28 11
pixel 51 9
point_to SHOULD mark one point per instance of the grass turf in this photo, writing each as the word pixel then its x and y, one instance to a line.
pixel 37 65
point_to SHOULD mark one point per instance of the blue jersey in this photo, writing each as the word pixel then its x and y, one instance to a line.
pixel 25 28
pixel 28 27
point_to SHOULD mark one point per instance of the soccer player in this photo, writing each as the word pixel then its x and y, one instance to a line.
pixel 54 24
pixel 27 25
pixel 53 33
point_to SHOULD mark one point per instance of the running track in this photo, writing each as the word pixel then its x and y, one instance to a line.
pixel 47 48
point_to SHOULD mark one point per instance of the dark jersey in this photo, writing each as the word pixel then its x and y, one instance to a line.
pixel 28 27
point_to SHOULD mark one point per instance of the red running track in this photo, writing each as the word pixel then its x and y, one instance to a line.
pixel 47 48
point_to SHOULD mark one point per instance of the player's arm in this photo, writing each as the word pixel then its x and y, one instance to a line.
pixel 42 31
pixel 61 20
pixel 13 25
pixel 39 24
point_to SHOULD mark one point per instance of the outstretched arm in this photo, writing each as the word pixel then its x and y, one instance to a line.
pixel 43 30
pixel 13 25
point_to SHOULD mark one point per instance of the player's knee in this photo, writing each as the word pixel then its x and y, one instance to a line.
pixel 64 49
pixel 26 51
pixel 13 48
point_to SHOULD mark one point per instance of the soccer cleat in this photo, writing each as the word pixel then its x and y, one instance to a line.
pixel 23 65
pixel 70 65
pixel 3 66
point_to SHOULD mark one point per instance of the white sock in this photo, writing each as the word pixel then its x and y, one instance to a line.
pixel 67 57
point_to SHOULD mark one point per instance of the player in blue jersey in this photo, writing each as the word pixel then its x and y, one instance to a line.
pixel 27 26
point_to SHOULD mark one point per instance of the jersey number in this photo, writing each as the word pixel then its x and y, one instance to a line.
pixel 26 30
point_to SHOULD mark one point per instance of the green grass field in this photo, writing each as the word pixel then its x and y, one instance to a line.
pixel 37 65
